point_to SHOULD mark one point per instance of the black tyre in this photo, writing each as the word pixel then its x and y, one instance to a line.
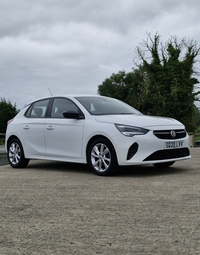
pixel 164 165
pixel 101 157
pixel 15 154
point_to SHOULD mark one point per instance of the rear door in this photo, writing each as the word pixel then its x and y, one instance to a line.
pixel 32 129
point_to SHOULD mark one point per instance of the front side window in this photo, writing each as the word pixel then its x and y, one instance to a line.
pixel 61 105
pixel 37 109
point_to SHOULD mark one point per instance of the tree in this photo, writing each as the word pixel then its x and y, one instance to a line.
pixel 127 87
pixel 197 116
pixel 170 78
pixel 7 112
pixel 163 83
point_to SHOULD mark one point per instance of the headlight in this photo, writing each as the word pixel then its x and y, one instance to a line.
pixel 130 130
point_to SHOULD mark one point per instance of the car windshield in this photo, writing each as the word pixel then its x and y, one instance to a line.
pixel 106 106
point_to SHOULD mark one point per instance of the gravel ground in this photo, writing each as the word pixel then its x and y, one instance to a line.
pixel 60 208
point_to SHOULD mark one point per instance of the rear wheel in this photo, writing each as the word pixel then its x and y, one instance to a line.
pixel 16 154
pixel 164 165
pixel 101 157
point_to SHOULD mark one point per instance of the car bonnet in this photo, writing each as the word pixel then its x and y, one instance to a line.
pixel 139 120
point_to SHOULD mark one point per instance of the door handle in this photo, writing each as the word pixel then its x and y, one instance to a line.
pixel 26 127
pixel 49 127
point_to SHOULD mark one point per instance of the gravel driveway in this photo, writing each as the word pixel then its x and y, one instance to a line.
pixel 60 208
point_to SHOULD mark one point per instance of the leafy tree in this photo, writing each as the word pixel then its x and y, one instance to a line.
pixel 163 84
pixel 170 78
pixel 197 115
pixel 127 87
pixel 114 86
pixel 7 112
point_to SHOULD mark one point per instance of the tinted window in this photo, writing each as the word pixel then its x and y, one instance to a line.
pixel 37 109
pixel 61 105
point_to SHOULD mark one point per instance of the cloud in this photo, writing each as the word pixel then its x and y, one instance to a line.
pixel 72 46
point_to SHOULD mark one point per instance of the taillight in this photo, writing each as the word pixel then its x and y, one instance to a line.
pixel 9 121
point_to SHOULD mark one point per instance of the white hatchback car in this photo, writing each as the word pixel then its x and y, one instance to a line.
pixel 101 131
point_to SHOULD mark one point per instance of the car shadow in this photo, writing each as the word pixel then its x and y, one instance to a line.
pixel 142 171
pixel 134 171
pixel 58 166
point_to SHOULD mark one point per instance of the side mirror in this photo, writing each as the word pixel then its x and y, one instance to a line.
pixel 73 115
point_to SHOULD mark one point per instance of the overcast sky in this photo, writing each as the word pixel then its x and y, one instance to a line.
pixel 72 46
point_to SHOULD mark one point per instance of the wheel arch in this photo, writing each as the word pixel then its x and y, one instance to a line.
pixel 92 139
pixel 11 138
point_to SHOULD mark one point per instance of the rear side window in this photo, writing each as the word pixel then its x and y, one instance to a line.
pixel 37 109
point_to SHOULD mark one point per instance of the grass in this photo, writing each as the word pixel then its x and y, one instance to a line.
pixel 197 131
pixel 2 141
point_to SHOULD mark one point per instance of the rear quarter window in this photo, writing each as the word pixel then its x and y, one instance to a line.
pixel 37 109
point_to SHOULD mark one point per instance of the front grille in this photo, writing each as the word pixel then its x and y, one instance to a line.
pixel 168 154
pixel 170 134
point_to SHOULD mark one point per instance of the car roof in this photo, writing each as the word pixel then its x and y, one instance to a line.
pixel 63 95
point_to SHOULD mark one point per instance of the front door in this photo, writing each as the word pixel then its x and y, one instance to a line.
pixel 63 137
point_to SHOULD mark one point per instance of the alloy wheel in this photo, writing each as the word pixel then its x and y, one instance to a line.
pixel 14 153
pixel 100 157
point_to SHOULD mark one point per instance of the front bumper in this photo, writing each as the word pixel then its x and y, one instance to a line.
pixel 148 149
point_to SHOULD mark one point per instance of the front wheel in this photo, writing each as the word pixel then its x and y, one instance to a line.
pixel 16 154
pixel 101 157
pixel 164 165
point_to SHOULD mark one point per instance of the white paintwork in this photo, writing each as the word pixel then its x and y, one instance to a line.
pixel 67 139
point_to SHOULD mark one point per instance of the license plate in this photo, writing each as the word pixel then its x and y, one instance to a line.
pixel 173 144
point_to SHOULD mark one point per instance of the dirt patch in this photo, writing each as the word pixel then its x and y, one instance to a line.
pixel 60 208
